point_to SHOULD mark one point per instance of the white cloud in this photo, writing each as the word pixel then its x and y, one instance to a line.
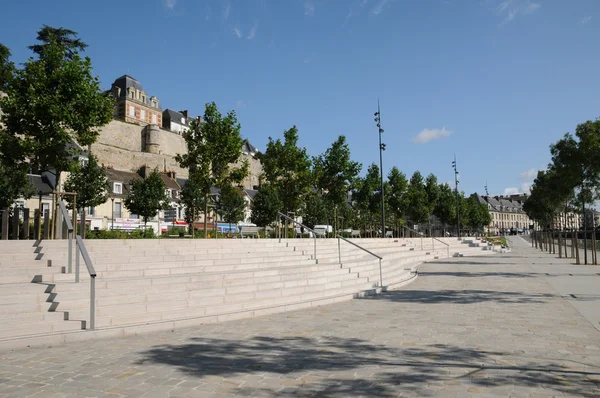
pixel 511 9
pixel 309 58
pixel 309 8
pixel 379 7
pixel 237 32
pixel 428 135
pixel 252 33
pixel 529 174
pixel 524 188
pixel 170 4
pixel 585 20
pixel 226 10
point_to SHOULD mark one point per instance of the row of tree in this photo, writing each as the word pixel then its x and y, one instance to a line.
pixel 54 100
pixel 328 189
pixel 571 182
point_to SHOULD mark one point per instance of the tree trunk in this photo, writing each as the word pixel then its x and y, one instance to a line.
pixel 83 217
pixel 577 259
pixel 206 215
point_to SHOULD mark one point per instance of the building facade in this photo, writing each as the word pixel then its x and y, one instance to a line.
pixel 133 104
pixel 176 122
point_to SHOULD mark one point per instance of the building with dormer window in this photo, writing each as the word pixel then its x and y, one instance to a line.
pixel 133 104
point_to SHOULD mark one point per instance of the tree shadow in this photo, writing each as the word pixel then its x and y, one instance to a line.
pixel 327 366
pixel 460 296
pixel 481 274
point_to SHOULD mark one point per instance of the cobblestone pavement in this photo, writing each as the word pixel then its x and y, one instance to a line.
pixel 489 326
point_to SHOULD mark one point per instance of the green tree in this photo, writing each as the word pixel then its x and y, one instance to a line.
pixel 231 204
pixel 432 189
pixel 7 68
pixel 265 206
pixel 147 197
pixel 214 144
pixel 367 195
pixel 417 206
pixel 335 172
pixel 445 209
pixel 286 167
pixel 316 211
pixel 396 193
pixel 54 99
pixel 90 184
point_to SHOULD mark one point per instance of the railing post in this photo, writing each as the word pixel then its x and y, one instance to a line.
pixel 92 302
pixel 421 241
pixel 432 244
pixel 339 251
pixel 380 275
pixel 77 255
pixel 26 224
pixel 315 241
pixel 70 255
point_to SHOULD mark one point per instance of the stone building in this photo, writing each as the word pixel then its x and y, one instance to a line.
pixel 176 122
pixel 133 104
pixel 507 213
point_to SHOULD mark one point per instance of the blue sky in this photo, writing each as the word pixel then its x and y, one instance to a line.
pixel 494 81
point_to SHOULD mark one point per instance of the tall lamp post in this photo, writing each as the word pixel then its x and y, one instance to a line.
pixel 112 222
pixel 457 198
pixel 381 149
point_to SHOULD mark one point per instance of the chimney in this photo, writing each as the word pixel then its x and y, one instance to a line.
pixel 171 174
pixel 184 113
pixel 145 171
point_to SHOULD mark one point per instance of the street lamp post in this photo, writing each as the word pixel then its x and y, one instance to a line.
pixel 112 223
pixel 457 198
pixel 381 149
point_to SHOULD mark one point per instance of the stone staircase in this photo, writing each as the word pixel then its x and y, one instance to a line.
pixel 151 285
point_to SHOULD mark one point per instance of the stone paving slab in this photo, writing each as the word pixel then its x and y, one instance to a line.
pixel 489 326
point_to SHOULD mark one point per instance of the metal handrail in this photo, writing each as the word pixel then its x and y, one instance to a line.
pixel 363 249
pixel 65 215
pixel 433 239
pixel 302 225
pixel 90 267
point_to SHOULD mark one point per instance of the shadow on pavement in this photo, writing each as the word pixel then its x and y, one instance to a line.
pixel 481 274
pixel 327 366
pixel 460 296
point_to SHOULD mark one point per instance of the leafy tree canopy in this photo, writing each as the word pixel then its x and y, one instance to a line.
pixel 148 196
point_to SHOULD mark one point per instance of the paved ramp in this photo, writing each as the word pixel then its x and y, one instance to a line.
pixel 501 325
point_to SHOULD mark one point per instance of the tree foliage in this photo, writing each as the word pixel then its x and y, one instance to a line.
pixel 231 204
pixel 7 68
pixel 335 172
pixel 214 144
pixel 317 211
pixel 148 196
pixel 287 168
pixel 90 184
pixel 266 205
pixel 53 100
pixel 417 205
pixel 445 208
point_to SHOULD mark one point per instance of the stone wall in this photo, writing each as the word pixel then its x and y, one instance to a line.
pixel 123 146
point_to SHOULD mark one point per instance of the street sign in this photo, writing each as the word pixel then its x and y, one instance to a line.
pixel 170 215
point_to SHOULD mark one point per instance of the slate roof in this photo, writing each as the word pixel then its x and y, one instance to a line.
pixel 41 184
pixel 126 81
pixel 251 193
pixel 248 148
pixel 124 177
pixel 169 182
pixel 175 117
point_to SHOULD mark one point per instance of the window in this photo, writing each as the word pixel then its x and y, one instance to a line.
pixel 117 209
pixel 91 211
pixel 154 119
pixel 143 114
pixel 144 99
pixel 131 93
pixel 45 208
pixel 134 216
pixel 131 110
pixel 118 188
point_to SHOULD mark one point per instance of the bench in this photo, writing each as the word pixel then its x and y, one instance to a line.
pixel 355 233
pixel 248 230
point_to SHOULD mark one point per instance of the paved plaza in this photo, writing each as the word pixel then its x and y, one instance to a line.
pixel 519 324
